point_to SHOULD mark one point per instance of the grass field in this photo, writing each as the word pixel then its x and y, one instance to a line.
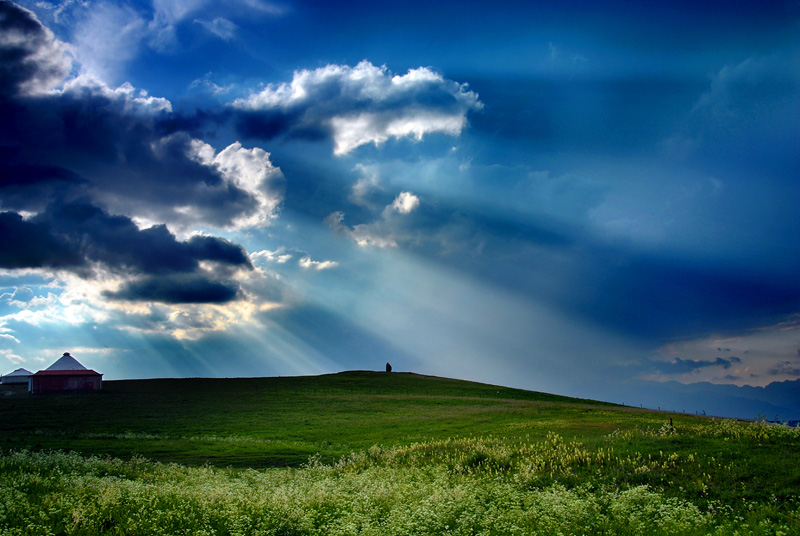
pixel 376 453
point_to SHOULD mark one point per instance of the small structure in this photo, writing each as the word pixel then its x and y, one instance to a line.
pixel 19 376
pixel 388 367
pixel 66 374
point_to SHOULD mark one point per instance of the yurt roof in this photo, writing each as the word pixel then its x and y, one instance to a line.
pixel 20 372
pixel 66 362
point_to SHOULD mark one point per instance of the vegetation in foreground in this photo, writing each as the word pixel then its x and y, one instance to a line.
pixel 644 476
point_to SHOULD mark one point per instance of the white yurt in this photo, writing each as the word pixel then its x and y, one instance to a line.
pixel 20 375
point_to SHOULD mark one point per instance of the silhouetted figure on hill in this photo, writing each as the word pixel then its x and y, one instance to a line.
pixel 388 367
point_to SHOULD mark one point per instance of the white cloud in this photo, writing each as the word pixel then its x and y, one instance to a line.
pixel 307 263
pixel 48 60
pixel 352 131
pixel 20 298
pixel 167 14
pixel 375 234
pixel 279 255
pixel 763 355
pixel 81 302
pixel 206 84
pixel 5 333
pixel 75 301
pixel 221 27
pixel 269 8
pixel 12 357
pixel 365 187
pixel 405 202
pixel 132 100
pixel 107 36
pixel 59 9
pixel 385 232
pixel 250 170
pixel 367 104
pixel 48 64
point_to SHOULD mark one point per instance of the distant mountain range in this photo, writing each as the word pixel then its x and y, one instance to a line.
pixel 776 401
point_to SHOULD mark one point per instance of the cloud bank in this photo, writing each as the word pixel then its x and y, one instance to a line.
pixel 92 179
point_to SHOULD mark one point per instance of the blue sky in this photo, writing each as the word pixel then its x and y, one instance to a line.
pixel 573 197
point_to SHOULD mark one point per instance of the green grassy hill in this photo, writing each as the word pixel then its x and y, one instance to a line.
pixel 260 422
pixel 374 454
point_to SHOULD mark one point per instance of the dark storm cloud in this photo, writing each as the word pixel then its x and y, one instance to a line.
pixel 115 241
pixel 218 250
pixel 32 245
pixel 30 186
pixel 80 233
pixel 173 289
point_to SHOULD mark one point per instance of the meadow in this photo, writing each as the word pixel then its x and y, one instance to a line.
pixel 374 453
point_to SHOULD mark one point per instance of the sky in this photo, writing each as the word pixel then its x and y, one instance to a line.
pixel 572 197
